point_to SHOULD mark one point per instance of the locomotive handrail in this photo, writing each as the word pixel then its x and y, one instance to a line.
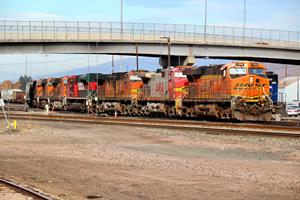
pixel 235 97
pixel 76 31
pixel 266 95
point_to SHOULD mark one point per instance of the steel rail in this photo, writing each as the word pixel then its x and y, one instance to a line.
pixel 213 128
pixel 24 190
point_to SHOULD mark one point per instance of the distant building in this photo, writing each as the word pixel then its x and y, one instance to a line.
pixel 289 89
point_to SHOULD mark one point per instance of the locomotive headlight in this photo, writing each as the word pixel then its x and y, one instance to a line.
pixel 251 79
pixel 263 96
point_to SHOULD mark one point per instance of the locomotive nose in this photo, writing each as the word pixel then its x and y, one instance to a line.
pixel 254 80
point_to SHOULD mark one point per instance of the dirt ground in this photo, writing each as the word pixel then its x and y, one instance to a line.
pixel 76 161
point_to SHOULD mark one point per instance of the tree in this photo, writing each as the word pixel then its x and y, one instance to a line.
pixel 17 85
pixel 24 80
pixel 7 84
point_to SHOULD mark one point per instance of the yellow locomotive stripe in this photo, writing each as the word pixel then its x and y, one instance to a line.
pixel 215 76
pixel 181 89
pixel 249 97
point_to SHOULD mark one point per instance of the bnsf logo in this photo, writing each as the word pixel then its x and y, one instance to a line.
pixel 249 85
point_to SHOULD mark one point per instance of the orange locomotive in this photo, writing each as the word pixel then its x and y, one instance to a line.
pixel 119 92
pixel 238 90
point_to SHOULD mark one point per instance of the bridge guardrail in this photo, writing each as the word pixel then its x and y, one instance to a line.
pixel 75 31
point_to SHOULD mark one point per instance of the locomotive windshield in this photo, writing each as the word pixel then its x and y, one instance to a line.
pixel 257 71
pixel 135 78
pixel 179 75
pixel 236 72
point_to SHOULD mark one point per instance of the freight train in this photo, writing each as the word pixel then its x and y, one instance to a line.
pixel 13 95
pixel 237 90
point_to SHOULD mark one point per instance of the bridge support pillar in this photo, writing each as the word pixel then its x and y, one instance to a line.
pixel 176 60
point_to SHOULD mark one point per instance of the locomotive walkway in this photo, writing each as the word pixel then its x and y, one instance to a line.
pixel 76 37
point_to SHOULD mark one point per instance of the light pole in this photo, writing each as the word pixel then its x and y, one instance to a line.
pixel 121 20
pixel 169 49
pixel 205 19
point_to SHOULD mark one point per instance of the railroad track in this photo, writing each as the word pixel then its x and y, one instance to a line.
pixel 15 107
pixel 30 193
pixel 207 127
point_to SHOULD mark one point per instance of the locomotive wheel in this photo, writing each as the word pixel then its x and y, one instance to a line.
pixel 185 112
pixel 171 111
pixel 128 110
pixel 145 111
pixel 166 111
pixel 123 110
pixel 134 111
pixel 140 110
pixel 193 112
pixel 43 104
pixel 189 112
pixel 131 110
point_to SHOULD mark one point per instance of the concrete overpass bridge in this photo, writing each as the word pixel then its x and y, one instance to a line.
pixel 187 41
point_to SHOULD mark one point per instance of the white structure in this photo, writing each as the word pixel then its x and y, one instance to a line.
pixel 9 94
pixel 290 89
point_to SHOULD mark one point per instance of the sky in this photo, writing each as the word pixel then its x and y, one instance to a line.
pixel 269 14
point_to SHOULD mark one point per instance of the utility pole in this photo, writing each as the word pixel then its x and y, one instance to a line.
pixel 137 56
pixel 298 88
pixel 121 21
pixel 244 23
pixel 26 65
pixel 112 64
pixel 121 18
pixel 169 49
pixel 97 99
pixel 205 20
pixel 88 94
pixel 284 83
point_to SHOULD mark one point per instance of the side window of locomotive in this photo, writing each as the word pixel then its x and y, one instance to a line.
pixel 237 72
pixel 257 71
pixel 135 78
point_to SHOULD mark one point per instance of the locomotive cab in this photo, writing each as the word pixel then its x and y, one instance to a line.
pixel 136 85
pixel 178 82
